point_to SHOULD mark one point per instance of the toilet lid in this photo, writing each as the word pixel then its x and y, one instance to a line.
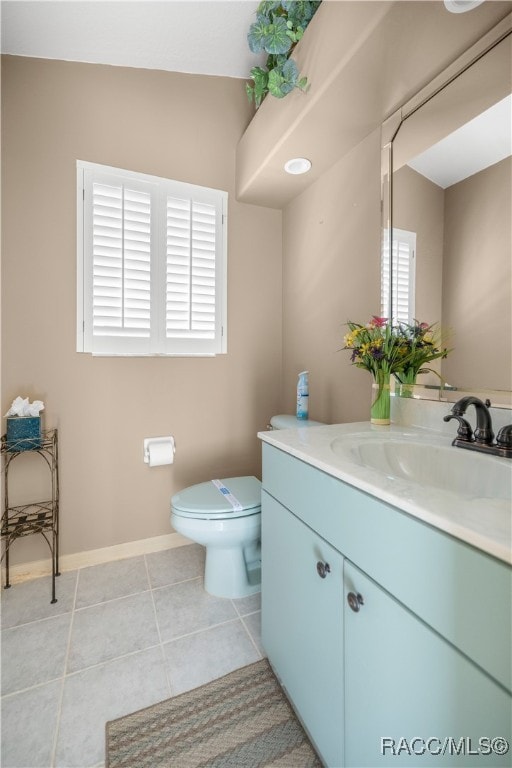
pixel 229 497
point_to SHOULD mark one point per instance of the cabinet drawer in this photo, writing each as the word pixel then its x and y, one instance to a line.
pixel 462 593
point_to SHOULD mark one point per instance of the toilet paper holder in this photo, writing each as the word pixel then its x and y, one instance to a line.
pixel 149 441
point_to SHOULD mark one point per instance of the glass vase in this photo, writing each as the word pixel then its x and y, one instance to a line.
pixel 406 384
pixel 380 412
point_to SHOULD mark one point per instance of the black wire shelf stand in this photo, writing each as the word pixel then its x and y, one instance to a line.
pixel 35 517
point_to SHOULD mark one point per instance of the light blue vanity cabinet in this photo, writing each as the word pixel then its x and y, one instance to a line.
pixel 428 653
pixel 302 583
pixel 411 697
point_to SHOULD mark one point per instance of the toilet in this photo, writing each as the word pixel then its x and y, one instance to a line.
pixel 225 517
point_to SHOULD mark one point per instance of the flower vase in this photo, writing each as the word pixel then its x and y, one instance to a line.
pixel 380 412
pixel 406 384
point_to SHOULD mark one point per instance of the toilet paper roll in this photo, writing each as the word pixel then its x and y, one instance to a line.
pixel 160 451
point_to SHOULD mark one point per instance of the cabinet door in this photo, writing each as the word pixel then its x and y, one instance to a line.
pixel 302 623
pixel 405 685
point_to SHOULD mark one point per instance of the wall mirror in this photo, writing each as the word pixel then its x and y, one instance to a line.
pixel 447 208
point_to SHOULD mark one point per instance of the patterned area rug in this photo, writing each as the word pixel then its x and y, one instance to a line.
pixel 238 721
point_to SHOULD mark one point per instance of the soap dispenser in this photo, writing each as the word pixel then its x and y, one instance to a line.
pixel 303 395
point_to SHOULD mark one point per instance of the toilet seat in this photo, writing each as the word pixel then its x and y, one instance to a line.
pixel 205 501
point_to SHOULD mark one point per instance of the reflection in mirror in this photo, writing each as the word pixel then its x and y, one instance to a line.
pixel 450 215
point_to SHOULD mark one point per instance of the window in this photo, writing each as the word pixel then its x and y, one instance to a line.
pixel 403 276
pixel 152 260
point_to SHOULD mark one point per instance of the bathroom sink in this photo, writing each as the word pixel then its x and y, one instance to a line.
pixel 444 467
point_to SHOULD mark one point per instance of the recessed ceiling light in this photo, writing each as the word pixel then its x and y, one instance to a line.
pixel 297 165
pixel 461 6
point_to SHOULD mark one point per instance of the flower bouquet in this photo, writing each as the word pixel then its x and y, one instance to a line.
pixel 421 343
pixel 401 350
pixel 377 348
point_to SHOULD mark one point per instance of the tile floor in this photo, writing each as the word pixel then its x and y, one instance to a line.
pixel 122 636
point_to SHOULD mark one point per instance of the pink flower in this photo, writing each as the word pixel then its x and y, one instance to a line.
pixel 379 322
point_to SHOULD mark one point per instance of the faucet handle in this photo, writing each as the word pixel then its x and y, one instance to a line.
pixel 464 431
pixel 484 435
pixel 504 437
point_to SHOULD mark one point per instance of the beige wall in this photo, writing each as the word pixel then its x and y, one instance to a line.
pixel 173 125
pixel 418 206
pixel 331 274
pixel 477 278
pixel 463 269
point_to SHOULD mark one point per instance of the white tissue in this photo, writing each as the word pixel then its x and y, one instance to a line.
pixel 159 451
pixel 21 407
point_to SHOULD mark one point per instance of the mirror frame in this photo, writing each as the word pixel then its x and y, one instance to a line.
pixel 392 125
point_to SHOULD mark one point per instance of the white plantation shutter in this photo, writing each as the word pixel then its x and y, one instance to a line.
pixel 152 265
pixel 121 234
pixel 403 275
pixel 192 314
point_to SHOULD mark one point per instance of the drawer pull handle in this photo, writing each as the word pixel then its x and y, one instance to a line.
pixel 323 569
pixel 355 601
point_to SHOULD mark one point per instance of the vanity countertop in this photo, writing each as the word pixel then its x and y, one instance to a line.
pixel 485 523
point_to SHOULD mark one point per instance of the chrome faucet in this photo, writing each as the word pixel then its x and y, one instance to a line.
pixel 482 439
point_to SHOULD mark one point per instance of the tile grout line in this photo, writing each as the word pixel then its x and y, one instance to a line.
pixel 232 620
pixel 167 673
pixel 174 583
pixel 110 660
pixel 244 616
pixel 35 621
pixel 251 637
pixel 61 698
pixel 12 694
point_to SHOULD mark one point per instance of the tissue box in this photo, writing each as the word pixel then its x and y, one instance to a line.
pixel 23 433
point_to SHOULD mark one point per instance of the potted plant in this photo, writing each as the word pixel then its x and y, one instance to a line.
pixel 278 28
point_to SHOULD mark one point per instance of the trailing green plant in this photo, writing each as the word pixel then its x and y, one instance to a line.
pixel 278 28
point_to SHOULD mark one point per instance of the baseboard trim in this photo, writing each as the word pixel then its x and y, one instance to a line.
pixel 37 568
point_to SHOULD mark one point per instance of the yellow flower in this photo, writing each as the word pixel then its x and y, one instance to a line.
pixel 351 338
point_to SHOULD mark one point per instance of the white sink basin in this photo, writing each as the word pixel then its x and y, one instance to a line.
pixel 458 470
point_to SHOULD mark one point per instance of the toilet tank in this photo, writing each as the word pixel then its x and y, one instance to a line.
pixel 285 421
